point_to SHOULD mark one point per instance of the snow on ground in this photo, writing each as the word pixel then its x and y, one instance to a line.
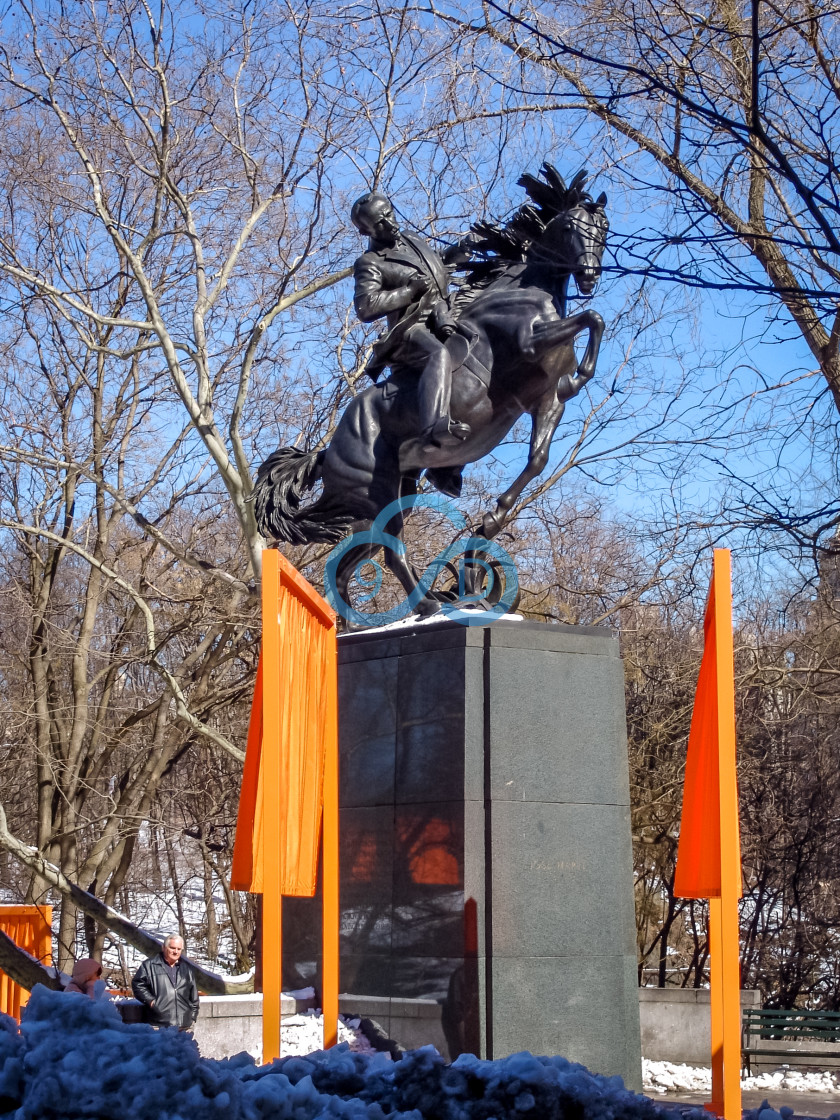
pixel 74 1057
pixel 413 620
pixel 301 1034
pixel 666 1077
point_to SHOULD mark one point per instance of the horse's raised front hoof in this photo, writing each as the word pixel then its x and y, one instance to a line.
pixel 491 524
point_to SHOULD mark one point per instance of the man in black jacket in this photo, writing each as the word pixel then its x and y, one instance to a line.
pixel 166 987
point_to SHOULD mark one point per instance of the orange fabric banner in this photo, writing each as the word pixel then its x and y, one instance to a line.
pixel 30 927
pixel 709 854
pixel 698 872
pixel 306 627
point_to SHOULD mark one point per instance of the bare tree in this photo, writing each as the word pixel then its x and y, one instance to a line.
pixel 720 122
pixel 175 189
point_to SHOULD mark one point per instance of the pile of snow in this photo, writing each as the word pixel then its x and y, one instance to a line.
pixel 796 1081
pixel 74 1057
pixel 667 1077
pixel 303 1033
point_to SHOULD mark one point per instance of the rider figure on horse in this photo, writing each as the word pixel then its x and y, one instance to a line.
pixel 405 279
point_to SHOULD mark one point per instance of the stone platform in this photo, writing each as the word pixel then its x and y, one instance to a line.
pixel 485 838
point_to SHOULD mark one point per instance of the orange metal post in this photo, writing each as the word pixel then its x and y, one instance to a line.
pixel 730 847
pixel 716 985
pixel 329 966
pixel 272 945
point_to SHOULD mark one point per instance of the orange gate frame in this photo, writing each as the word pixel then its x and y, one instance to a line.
pixel 709 854
pixel 30 927
pixel 290 780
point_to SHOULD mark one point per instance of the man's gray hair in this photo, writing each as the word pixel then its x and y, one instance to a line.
pixel 172 937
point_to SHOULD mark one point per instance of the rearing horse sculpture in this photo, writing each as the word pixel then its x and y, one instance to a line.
pixel 513 353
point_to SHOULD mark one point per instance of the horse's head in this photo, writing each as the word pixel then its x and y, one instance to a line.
pixel 562 230
pixel 574 241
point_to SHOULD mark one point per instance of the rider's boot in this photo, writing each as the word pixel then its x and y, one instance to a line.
pixel 433 394
pixel 433 437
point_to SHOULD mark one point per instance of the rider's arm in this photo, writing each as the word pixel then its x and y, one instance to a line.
pixel 372 300
pixel 461 252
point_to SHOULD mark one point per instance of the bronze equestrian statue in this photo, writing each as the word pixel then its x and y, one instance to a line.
pixel 465 365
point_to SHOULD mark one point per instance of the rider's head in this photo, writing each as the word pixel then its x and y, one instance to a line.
pixel 373 215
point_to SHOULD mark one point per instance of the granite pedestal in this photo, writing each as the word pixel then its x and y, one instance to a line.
pixel 485 838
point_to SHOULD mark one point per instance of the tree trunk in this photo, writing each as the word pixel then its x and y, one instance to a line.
pixel 23 968
pixel 212 925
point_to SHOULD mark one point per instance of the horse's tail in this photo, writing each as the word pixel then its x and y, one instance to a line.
pixel 282 480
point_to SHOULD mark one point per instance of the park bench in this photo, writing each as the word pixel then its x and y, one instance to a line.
pixel 790 1034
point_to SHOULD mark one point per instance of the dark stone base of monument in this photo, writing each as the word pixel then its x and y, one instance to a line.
pixel 485 838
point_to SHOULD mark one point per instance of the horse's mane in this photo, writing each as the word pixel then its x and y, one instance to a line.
pixel 497 246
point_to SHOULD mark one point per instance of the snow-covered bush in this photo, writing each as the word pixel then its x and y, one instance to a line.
pixel 11 1064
